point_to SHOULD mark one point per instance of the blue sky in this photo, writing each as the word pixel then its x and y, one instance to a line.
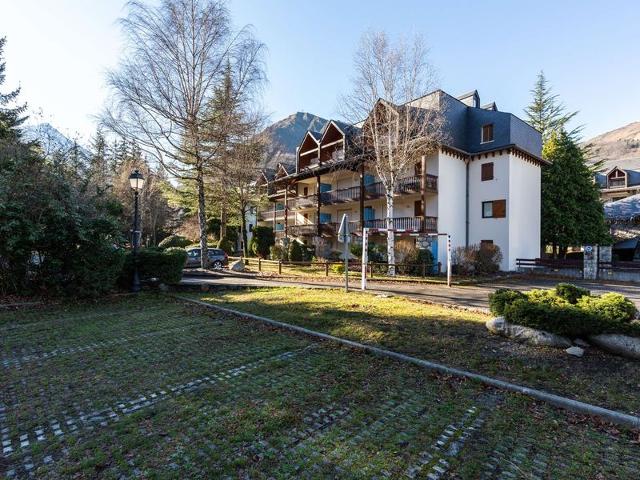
pixel 58 51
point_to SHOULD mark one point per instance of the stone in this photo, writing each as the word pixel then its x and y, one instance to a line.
pixel 575 351
pixel 531 336
pixel 237 266
pixel 581 343
pixel 622 345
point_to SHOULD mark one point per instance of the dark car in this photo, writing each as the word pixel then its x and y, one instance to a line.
pixel 217 258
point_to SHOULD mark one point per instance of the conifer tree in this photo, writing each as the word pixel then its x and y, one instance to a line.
pixel 11 117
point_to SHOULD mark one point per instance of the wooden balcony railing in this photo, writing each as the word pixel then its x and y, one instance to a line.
pixel 301 230
pixel 340 196
pixel 409 224
pixel 303 201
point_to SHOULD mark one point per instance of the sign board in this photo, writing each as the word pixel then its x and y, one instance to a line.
pixel 344 235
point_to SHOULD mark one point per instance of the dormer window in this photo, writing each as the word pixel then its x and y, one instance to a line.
pixel 487 133
pixel 617 179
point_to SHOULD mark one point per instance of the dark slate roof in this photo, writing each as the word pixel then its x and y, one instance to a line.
pixel 316 135
pixel 288 167
pixel 490 106
pixel 601 179
pixel 624 209
pixel 633 177
pixel 468 94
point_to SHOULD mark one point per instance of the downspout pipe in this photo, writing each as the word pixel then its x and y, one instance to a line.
pixel 466 213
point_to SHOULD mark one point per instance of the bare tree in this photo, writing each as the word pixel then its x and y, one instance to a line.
pixel 399 123
pixel 179 55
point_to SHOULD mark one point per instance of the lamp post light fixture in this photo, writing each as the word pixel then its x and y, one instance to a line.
pixel 136 180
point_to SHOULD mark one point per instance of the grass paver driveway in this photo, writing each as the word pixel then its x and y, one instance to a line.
pixel 148 387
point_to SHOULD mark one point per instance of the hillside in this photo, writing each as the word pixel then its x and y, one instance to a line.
pixel 620 146
pixel 52 140
pixel 284 136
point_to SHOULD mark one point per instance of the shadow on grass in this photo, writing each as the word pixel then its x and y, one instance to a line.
pixel 453 337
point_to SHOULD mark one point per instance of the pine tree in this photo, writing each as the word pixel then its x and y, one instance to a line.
pixel 10 117
pixel 546 113
pixel 572 212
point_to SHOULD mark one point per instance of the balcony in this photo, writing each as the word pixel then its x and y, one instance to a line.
pixel 303 230
pixel 306 201
pixel 340 196
pixel 407 224
pixel 270 215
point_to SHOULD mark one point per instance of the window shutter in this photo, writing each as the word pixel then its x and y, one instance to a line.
pixel 499 208
pixel 487 171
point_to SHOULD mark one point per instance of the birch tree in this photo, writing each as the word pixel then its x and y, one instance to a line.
pixel 398 126
pixel 178 55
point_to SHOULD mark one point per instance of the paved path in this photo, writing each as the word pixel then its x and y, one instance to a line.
pixel 473 296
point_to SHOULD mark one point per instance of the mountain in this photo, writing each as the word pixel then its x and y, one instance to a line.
pixel 52 140
pixel 284 136
pixel 620 147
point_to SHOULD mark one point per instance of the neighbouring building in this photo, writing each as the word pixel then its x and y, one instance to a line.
pixel 482 186
pixel 619 179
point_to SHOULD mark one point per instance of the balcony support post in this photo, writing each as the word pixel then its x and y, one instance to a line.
pixel 286 212
pixel 319 204
pixel 423 191
pixel 275 210
pixel 361 197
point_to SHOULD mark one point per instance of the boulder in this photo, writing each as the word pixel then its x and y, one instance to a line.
pixel 531 336
pixel 622 345
pixel 237 266
pixel 575 351
pixel 581 343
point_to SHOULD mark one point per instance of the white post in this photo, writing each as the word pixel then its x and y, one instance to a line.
pixel 346 263
pixel 365 247
pixel 448 260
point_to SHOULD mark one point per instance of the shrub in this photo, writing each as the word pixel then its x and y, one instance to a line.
pixel 337 268
pixel 571 293
pixel 417 257
pixel 464 259
pixel 166 265
pixel 174 241
pixel 261 241
pixel 295 252
pixel 610 307
pixel 375 252
pixel 546 297
pixel 488 259
pixel 278 252
pixel 567 320
pixel 502 297
pixel 227 245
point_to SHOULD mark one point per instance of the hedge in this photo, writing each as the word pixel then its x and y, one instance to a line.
pixel 502 297
pixel 165 265
pixel 174 241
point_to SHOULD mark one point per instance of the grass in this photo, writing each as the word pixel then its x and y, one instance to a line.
pixel 145 387
pixel 451 336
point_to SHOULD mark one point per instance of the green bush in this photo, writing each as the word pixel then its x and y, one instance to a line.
pixel 166 265
pixel 502 297
pixel 416 257
pixel 571 293
pixel 226 244
pixel 174 241
pixel 476 259
pixel 611 307
pixel 546 297
pixel 375 252
pixel 567 320
pixel 338 268
pixel 278 252
pixel 295 252
pixel 261 241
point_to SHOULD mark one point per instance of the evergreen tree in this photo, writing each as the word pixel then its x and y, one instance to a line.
pixel 572 212
pixel 11 117
pixel 546 113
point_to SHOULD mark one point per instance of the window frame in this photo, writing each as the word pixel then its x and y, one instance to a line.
pixel 493 209
pixel 482 138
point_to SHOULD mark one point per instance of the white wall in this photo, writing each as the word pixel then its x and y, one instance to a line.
pixel 451 203
pixel 524 209
pixel 496 229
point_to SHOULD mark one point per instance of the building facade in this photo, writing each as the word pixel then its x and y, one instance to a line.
pixel 619 179
pixel 481 186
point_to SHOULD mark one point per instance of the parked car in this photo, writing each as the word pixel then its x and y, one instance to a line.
pixel 217 258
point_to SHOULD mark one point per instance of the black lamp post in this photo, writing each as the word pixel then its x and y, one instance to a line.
pixel 137 181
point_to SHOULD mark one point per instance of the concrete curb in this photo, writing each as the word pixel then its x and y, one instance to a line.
pixel 613 416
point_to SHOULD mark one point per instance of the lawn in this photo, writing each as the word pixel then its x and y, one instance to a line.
pixel 147 387
pixel 454 337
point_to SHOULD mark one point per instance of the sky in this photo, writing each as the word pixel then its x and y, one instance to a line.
pixel 59 50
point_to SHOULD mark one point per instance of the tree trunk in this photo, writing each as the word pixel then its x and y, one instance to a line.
pixel 202 220
pixel 243 227
pixel 391 240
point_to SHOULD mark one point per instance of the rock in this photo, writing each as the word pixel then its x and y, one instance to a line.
pixel 496 325
pixel 623 345
pixel 581 343
pixel 500 326
pixel 163 287
pixel 237 266
pixel 575 351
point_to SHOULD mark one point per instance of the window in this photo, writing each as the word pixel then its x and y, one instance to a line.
pixel 305 191
pixel 487 133
pixel 486 243
pixel 494 209
pixel 417 168
pixel 487 171
pixel 325 187
pixel 417 208
pixel 325 218
pixel 369 213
